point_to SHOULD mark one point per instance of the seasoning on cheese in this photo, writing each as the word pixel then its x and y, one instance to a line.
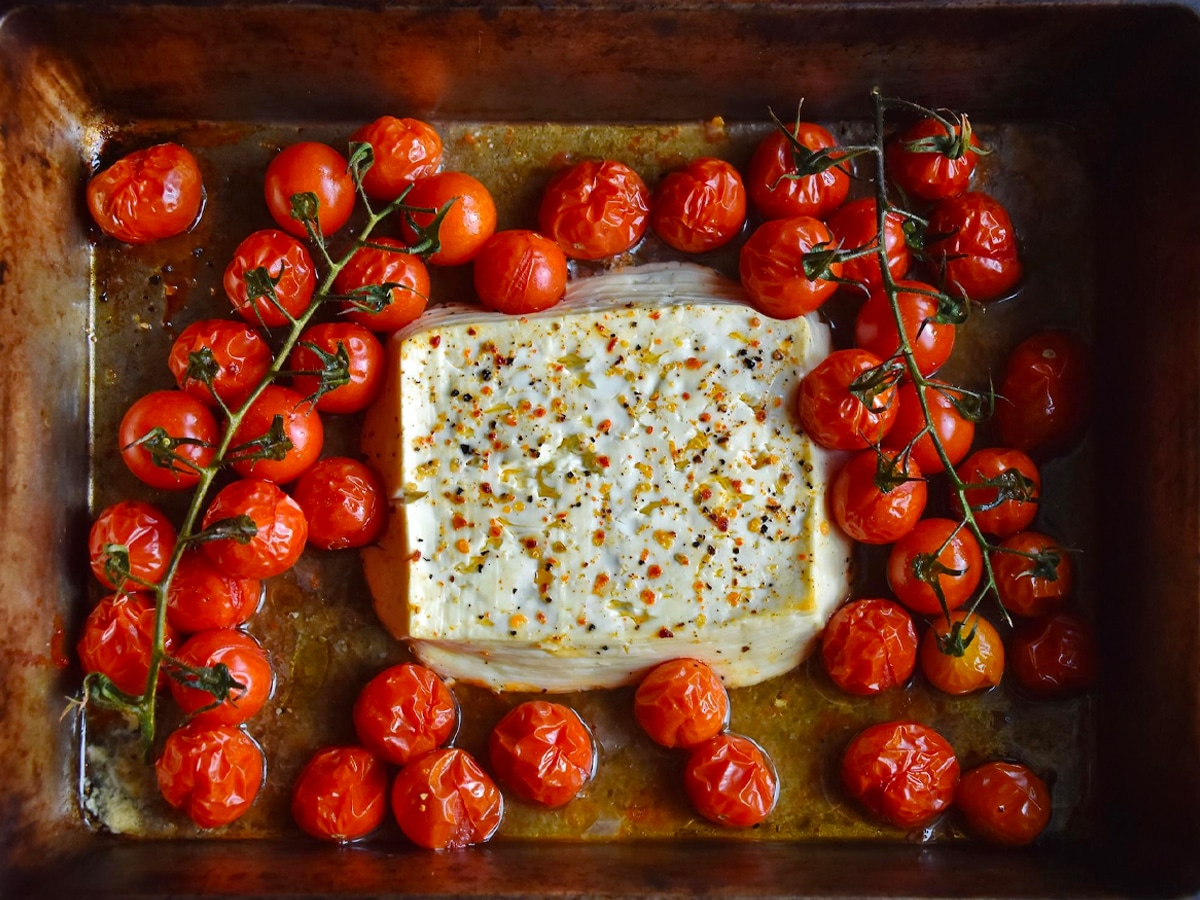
pixel 582 493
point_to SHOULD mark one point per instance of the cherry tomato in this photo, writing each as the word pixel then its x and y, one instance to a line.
pixel 939 165
pixel 869 514
pixel 1045 397
pixel 373 266
pixel 994 515
pixel 681 703
pixel 1004 803
pixel 519 272
pixel 935 549
pixel 273 461
pixel 283 288
pixel 470 221
pixel 931 341
pixel 341 794
pixel 304 168
pixel 837 419
pixel 972 237
pixel 231 357
pixel 594 209
pixel 869 646
pixel 118 640
pixel 731 781
pixel 772 267
pixel 279 540
pixel 404 712
pixel 775 190
pixel 148 195
pixel 247 663
pixel 344 502
pixel 700 207
pixel 1029 586
pixel 981 665
pixel 404 150
pixel 166 438
pixel 542 752
pixel 954 430
pixel 1054 657
pixel 444 800
pixel 854 226
pixel 201 596
pixel 212 774
pixel 364 366
pixel 130 539
pixel 904 772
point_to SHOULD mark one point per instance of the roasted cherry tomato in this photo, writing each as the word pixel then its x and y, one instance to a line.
pixel 201 596
pixel 212 774
pixel 1055 656
pixel 444 800
pixel 972 239
pixel 468 224
pixel 1010 507
pixel 542 752
pixel 131 539
pixel 932 159
pixel 281 530
pixel 404 712
pixel 248 666
pixel 931 341
pixel 836 418
pixel 938 550
pixel 404 151
pixel 310 168
pixel 270 279
pixel 256 453
pixel 148 195
pixel 344 503
pixel 374 266
pixel 219 358
pixel 1045 397
pixel 700 207
pixel 870 514
pixel 118 640
pixel 363 366
pixel 166 438
pixel 681 703
pixel 731 781
pixel 1004 803
pixel 594 209
pixel 1035 576
pixel 775 189
pixel 855 226
pixel 954 430
pixel 341 794
pixel 904 772
pixel 869 646
pixel 981 664
pixel 776 262
pixel 519 272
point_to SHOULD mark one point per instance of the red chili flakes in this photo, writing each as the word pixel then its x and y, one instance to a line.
pixel 665 632
pixel 540 412
pixel 458 521
pixel 603 461
pixel 435 341
pixel 693 363
pixel 605 426
pixel 654 572
pixel 648 597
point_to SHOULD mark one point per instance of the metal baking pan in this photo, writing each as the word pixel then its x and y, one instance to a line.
pixel 77 79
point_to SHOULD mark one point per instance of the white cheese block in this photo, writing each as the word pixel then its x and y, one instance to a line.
pixel 580 494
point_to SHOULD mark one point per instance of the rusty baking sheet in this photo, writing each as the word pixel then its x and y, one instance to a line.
pixel 1104 208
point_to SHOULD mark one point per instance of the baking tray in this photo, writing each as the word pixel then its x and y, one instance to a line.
pixel 1120 77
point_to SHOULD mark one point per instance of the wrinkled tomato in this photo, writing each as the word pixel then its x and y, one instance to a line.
pixel 972 242
pixel 373 266
pixel 1008 489
pixel 258 452
pixel 1004 803
pixel 341 794
pixel 118 641
pixel 344 502
pixel 931 341
pixel 954 430
pixel 904 772
pixel 212 774
pixel 280 530
pixel 1055 656
pixel 981 664
pixel 310 168
pixel 520 272
pixel 404 712
pixel 469 222
pixel 777 192
pixel 869 646
pixel 404 150
pixel 542 752
pixel 320 352
pixel 731 781
pixel 166 438
pixel 201 596
pixel 131 539
pixel 148 195
pixel 869 513
pixel 270 279
pixel 700 207
pixel 855 226
pixel 219 358
pixel 248 666
pixel 838 419
pixel 594 209
pixel 1044 400
pixel 936 550
pixel 1034 576
pixel 781 269
pixel 681 703
pixel 444 800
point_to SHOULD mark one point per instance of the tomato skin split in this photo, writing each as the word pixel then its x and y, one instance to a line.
pixel 444 800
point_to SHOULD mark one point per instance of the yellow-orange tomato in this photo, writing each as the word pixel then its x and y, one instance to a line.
pixel 681 703
pixel 469 222
pixel 981 664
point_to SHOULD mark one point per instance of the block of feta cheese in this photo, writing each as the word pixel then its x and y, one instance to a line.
pixel 579 494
